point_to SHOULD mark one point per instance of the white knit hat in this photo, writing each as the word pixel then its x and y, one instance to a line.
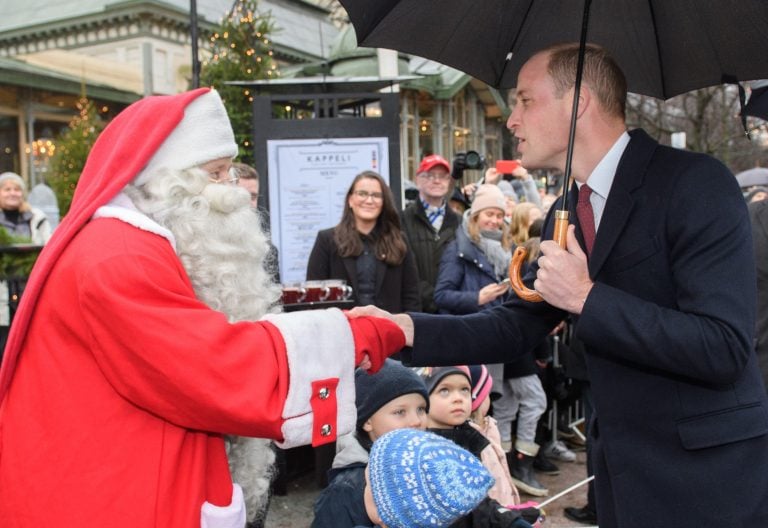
pixel 487 196
pixel 12 176
pixel 205 134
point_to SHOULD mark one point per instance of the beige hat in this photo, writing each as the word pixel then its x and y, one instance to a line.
pixel 487 196
pixel 205 134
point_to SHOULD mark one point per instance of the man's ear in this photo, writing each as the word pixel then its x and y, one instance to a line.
pixel 585 100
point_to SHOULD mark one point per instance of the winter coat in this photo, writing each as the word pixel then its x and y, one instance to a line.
pixel 758 214
pixel 39 230
pixel 397 288
pixel 32 224
pixel 428 246
pixel 464 271
pixel 341 504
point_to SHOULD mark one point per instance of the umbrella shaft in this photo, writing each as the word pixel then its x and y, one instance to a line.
pixel 575 110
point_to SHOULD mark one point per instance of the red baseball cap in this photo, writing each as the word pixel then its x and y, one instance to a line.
pixel 432 161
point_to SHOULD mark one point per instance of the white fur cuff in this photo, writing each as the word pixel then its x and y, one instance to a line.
pixel 319 345
pixel 232 516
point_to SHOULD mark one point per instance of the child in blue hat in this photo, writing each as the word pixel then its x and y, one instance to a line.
pixel 393 398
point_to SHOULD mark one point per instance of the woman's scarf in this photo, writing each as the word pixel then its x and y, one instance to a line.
pixel 490 245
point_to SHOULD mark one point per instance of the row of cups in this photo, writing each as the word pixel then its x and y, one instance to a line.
pixel 316 291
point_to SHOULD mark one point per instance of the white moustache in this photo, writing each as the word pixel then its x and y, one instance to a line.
pixel 226 198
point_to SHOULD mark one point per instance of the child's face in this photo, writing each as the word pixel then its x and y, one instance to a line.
pixel 408 410
pixel 450 402
pixel 370 505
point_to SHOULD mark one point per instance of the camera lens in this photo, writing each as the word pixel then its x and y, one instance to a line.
pixel 474 160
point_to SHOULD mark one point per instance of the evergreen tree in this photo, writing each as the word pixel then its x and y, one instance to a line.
pixel 240 50
pixel 72 149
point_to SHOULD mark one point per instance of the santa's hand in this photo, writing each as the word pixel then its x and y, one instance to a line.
pixel 370 309
pixel 563 277
pixel 365 364
pixel 404 321
pixel 377 336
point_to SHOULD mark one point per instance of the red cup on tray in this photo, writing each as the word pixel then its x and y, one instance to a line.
pixel 293 293
pixel 338 290
pixel 315 291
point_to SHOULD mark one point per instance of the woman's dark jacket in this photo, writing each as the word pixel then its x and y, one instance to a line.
pixel 464 271
pixel 397 287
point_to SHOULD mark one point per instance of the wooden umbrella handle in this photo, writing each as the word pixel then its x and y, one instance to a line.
pixel 520 254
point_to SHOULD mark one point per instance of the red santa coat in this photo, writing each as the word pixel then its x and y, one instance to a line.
pixel 123 377
pixel 117 392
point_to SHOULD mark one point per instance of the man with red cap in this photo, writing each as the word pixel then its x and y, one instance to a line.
pixel 144 346
pixel 429 224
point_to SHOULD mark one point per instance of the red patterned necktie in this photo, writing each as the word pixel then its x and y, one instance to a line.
pixel 586 217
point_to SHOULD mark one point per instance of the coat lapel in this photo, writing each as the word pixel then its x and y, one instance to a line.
pixel 350 264
pixel 618 207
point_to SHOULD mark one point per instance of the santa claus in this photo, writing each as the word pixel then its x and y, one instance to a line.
pixel 136 352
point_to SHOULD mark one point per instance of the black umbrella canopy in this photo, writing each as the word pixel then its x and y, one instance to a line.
pixel 665 47
pixel 757 106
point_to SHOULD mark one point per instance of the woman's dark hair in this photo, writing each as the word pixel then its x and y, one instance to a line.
pixel 389 242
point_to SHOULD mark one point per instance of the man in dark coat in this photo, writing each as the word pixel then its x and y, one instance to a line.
pixel 758 214
pixel 665 306
pixel 429 224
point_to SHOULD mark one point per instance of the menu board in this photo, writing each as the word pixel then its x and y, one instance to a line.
pixel 308 183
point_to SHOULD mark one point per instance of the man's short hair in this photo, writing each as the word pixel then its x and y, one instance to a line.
pixel 601 73
pixel 245 172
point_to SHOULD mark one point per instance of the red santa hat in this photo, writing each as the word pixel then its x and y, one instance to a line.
pixel 126 147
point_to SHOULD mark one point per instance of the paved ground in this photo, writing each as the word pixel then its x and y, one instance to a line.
pixel 294 509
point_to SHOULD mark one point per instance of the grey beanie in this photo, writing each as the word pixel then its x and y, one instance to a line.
pixel 15 178
pixel 393 380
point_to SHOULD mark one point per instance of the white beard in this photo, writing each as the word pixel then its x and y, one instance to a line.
pixel 223 248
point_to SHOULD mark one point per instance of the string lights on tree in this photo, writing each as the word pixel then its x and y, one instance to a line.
pixel 240 50
pixel 71 150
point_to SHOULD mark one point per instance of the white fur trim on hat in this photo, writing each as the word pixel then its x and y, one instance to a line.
pixel 488 196
pixel 204 134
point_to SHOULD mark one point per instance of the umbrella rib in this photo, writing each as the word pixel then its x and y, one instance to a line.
pixel 514 42
pixel 658 50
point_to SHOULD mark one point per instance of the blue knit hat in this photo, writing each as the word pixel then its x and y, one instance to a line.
pixel 420 479
pixel 373 391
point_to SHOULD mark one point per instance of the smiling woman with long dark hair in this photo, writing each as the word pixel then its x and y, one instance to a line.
pixel 368 249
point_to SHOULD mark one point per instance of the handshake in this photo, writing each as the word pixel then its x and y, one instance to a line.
pixel 377 340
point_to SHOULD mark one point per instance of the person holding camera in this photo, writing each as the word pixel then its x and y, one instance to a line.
pixel 510 176
pixel 429 224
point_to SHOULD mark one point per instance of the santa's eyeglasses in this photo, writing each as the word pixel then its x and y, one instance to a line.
pixel 230 177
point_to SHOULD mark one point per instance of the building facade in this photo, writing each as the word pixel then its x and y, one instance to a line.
pixel 115 53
